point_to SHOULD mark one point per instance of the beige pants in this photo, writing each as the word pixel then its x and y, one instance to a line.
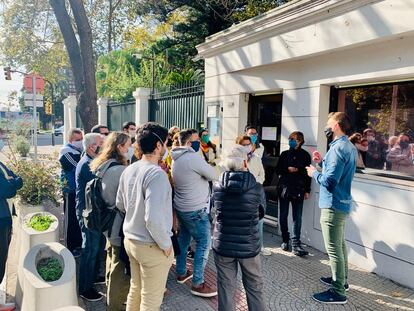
pixel 149 273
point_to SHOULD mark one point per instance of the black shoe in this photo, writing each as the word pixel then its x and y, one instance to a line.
pixel 190 254
pixel 285 246
pixel 91 295
pixel 330 297
pixel 299 251
pixel 328 281
pixel 100 280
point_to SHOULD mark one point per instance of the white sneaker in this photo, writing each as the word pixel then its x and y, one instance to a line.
pixel 7 307
pixel 265 252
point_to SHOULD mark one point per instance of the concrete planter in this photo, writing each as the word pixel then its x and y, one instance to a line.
pixel 28 237
pixel 23 209
pixel 40 295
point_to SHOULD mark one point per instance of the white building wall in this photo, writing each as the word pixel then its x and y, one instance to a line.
pixel 371 44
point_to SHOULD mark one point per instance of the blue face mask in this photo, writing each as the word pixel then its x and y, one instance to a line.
pixel 1 144
pixel 195 145
pixel 293 143
pixel 253 138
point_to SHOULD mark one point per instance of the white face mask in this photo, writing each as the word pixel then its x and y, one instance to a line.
pixel 370 138
pixel 248 148
pixel 1 144
pixel 77 144
pixel 129 154
pixel 165 154
pixel 131 133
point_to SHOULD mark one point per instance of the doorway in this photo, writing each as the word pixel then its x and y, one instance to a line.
pixel 265 113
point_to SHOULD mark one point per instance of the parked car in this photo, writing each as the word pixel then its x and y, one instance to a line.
pixel 59 131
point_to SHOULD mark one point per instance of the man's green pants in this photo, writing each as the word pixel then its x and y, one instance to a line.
pixel 333 231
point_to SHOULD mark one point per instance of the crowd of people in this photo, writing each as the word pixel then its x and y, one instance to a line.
pixel 168 197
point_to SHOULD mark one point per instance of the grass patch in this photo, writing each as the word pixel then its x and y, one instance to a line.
pixel 41 222
pixel 49 269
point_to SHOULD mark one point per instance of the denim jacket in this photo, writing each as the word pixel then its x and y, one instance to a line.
pixel 338 168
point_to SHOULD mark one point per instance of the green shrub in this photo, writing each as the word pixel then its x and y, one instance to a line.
pixel 21 145
pixel 41 222
pixel 41 180
pixel 49 269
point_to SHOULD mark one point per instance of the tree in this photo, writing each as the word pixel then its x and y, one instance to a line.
pixel 80 56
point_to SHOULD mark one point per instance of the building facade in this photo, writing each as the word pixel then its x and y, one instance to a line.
pixel 287 69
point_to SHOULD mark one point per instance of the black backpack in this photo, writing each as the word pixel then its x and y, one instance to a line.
pixel 97 216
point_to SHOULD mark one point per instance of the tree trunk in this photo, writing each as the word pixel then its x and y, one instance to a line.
pixel 89 110
pixel 110 26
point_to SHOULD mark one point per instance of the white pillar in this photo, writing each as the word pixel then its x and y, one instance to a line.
pixel 103 111
pixel 142 96
pixel 69 115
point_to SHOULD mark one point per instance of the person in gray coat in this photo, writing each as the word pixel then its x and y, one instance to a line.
pixel 109 166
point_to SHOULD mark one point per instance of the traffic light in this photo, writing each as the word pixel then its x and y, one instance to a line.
pixel 48 107
pixel 7 73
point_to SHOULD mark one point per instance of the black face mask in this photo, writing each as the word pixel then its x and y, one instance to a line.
pixel 97 150
pixel 404 144
pixel 328 132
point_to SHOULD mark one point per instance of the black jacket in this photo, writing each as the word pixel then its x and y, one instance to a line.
pixel 300 159
pixel 240 203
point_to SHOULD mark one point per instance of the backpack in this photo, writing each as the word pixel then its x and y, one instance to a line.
pixel 97 216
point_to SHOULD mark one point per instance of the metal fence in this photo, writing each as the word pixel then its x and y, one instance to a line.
pixel 118 113
pixel 180 104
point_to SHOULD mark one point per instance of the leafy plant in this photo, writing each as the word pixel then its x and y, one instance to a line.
pixel 49 269
pixel 40 180
pixel 21 145
pixel 41 222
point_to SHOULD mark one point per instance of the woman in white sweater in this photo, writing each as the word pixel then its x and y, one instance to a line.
pixel 254 163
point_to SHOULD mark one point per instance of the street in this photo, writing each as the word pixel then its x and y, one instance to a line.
pixel 46 139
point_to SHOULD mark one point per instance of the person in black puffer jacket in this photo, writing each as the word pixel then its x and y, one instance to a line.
pixel 240 203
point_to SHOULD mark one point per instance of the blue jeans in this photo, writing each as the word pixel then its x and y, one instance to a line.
pixel 88 266
pixel 297 208
pixel 194 225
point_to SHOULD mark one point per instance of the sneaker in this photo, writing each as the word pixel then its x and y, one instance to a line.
pixel 76 253
pixel 190 255
pixel 285 246
pixel 299 251
pixel 328 282
pixel 265 252
pixel 91 295
pixel 203 290
pixel 100 280
pixel 330 297
pixel 181 279
pixel 7 306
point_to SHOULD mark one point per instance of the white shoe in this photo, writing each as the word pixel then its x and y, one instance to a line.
pixel 265 252
pixel 7 307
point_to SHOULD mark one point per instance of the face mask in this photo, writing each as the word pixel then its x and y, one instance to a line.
pixel 404 144
pixel 293 143
pixel 361 148
pixel 77 144
pixel 370 138
pixel 97 150
pixel 205 139
pixel 165 154
pixel 248 149
pixel 131 133
pixel 195 145
pixel 1 144
pixel 328 132
pixel 128 155
pixel 253 138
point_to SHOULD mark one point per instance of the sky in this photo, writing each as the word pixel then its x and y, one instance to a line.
pixel 9 86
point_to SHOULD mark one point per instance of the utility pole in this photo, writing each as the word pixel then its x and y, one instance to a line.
pixel 34 118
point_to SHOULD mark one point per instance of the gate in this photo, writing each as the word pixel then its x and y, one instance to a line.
pixel 181 105
pixel 118 113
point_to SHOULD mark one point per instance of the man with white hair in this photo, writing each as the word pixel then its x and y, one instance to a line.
pixel 69 156
pixel 90 239
pixel 240 203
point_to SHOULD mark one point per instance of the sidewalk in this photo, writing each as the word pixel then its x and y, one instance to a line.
pixel 289 283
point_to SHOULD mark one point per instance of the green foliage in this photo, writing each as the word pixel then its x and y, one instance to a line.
pixel 50 269
pixel 41 222
pixel 21 145
pixel 40 180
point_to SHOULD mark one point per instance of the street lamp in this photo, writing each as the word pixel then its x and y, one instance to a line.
pixel 139 55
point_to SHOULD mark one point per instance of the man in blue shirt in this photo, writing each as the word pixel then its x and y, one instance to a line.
pixel 91 240
pixel 335 201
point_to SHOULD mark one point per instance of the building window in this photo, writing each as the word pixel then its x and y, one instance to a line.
pixel 383 126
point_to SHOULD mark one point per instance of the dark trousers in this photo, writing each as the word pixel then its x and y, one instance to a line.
pixel 72 229
pixel 227 282
pixel 297 208
pixel 89 260
pixel 5 238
